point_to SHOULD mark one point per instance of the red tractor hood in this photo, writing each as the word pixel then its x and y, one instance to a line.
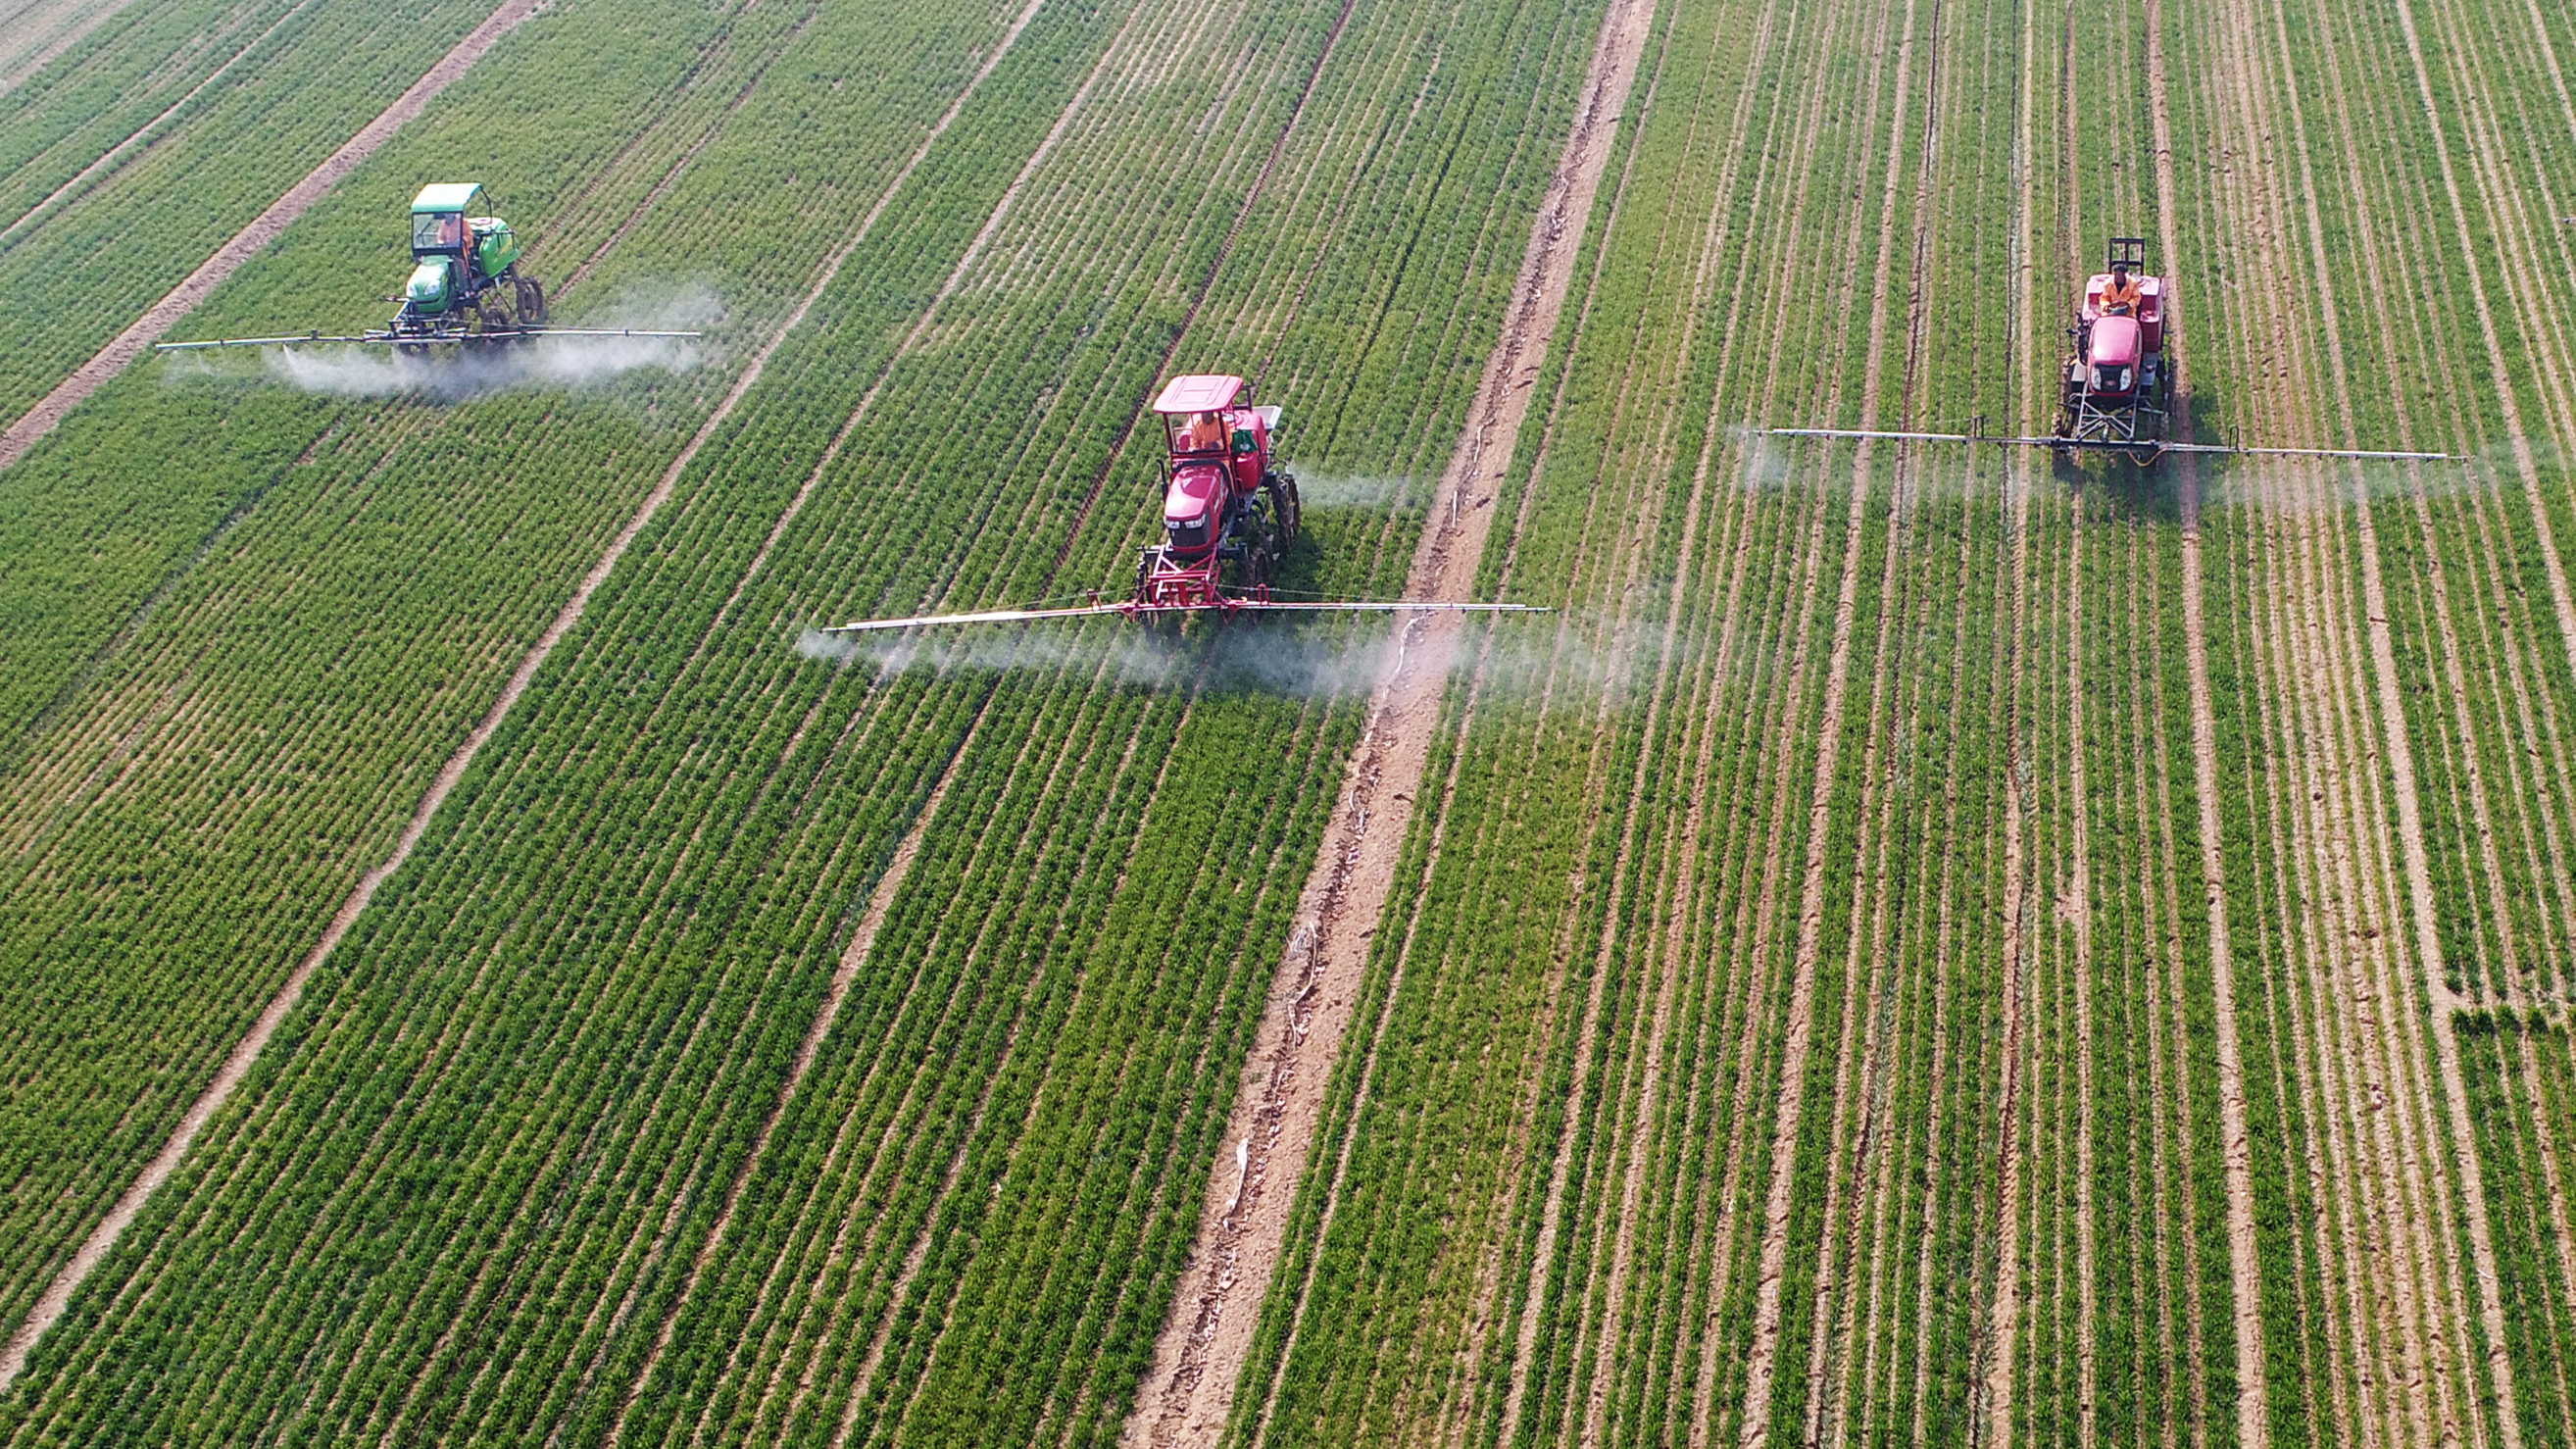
pixel 1194 494
pixel 2115 342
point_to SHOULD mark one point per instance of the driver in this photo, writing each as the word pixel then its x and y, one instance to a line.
pixel 1203 433
pixel 2120 298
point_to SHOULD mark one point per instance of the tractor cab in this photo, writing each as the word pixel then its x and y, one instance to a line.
pixel 456 254
pixel 1219 452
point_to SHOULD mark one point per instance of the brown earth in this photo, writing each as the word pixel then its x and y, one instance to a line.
pixel 1189 1391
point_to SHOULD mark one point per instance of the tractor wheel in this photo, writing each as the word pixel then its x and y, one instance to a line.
pixel 532 301
pixel 1144 573
pixel 1256 565
pixel 1282 488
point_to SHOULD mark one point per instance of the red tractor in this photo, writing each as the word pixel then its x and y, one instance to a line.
pixel 1222 501
pixel 2117 386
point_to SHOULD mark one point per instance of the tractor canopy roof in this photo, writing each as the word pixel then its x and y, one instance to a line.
pixel 447 196
pixel 1198 393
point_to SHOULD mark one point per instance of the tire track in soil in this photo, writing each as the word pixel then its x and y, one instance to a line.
pixel 1188 1393
pixel 2003 1326
pixel 2395 741
pixel 2253 1402
pixel 158 319
pixel 49 1308
pixel 1754 1427
pixel 863 939
pixel 2087 1290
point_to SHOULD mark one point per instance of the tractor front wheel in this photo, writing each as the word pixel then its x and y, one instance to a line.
pixel 532 302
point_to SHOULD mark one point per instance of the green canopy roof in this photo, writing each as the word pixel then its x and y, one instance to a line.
pixel 446 196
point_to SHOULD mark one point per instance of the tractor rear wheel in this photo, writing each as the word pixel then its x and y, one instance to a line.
pixel 1282 488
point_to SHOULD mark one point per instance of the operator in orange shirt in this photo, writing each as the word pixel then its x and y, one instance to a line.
pixel 2120 298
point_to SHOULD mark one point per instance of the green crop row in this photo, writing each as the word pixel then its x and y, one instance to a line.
pixel 2519 1074
pixel 533 1077
pixel 221 765
pixel 89 266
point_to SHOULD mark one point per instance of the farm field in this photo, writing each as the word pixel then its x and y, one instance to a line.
pixel 1926 944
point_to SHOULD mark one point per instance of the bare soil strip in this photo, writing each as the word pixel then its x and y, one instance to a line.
pixel 2003 1326
pixel 34 33
pixel 116 154
pixel 2253 1401
pixel 1199 1356
pixel 49 1309
pixel 158 319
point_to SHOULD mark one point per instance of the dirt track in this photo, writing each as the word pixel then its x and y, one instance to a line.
pixel 158 319
pixel 1189 1391
pixel 33 33
pixel 57 1296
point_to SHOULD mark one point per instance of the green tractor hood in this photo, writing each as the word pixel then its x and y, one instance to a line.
pixel 432 285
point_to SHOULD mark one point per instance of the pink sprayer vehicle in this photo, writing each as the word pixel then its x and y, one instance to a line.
pixel 1225 503
pixel 2117 386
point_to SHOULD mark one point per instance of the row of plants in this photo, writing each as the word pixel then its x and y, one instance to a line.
pixel 534 1077
pixel 217 769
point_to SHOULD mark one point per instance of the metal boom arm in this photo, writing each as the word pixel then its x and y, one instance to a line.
pixel 2140 445
pixel 1132 609
pixel 435 339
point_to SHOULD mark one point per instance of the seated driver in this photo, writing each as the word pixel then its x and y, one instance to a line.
pixel 2120 298
pixel 1204 433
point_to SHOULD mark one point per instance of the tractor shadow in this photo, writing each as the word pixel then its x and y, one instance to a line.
pixel 2124 491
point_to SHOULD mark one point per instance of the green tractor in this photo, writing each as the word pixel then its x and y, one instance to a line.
pixel 465 273
pixel 465 286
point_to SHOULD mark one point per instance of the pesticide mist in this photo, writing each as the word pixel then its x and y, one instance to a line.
pixel 460 373
pixel 1545 663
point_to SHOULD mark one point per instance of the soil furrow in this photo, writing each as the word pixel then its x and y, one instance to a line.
pixel 58 1295
pixel 2253 1410
pixel 117 153
pixel 1189 1391
pixel 158 319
